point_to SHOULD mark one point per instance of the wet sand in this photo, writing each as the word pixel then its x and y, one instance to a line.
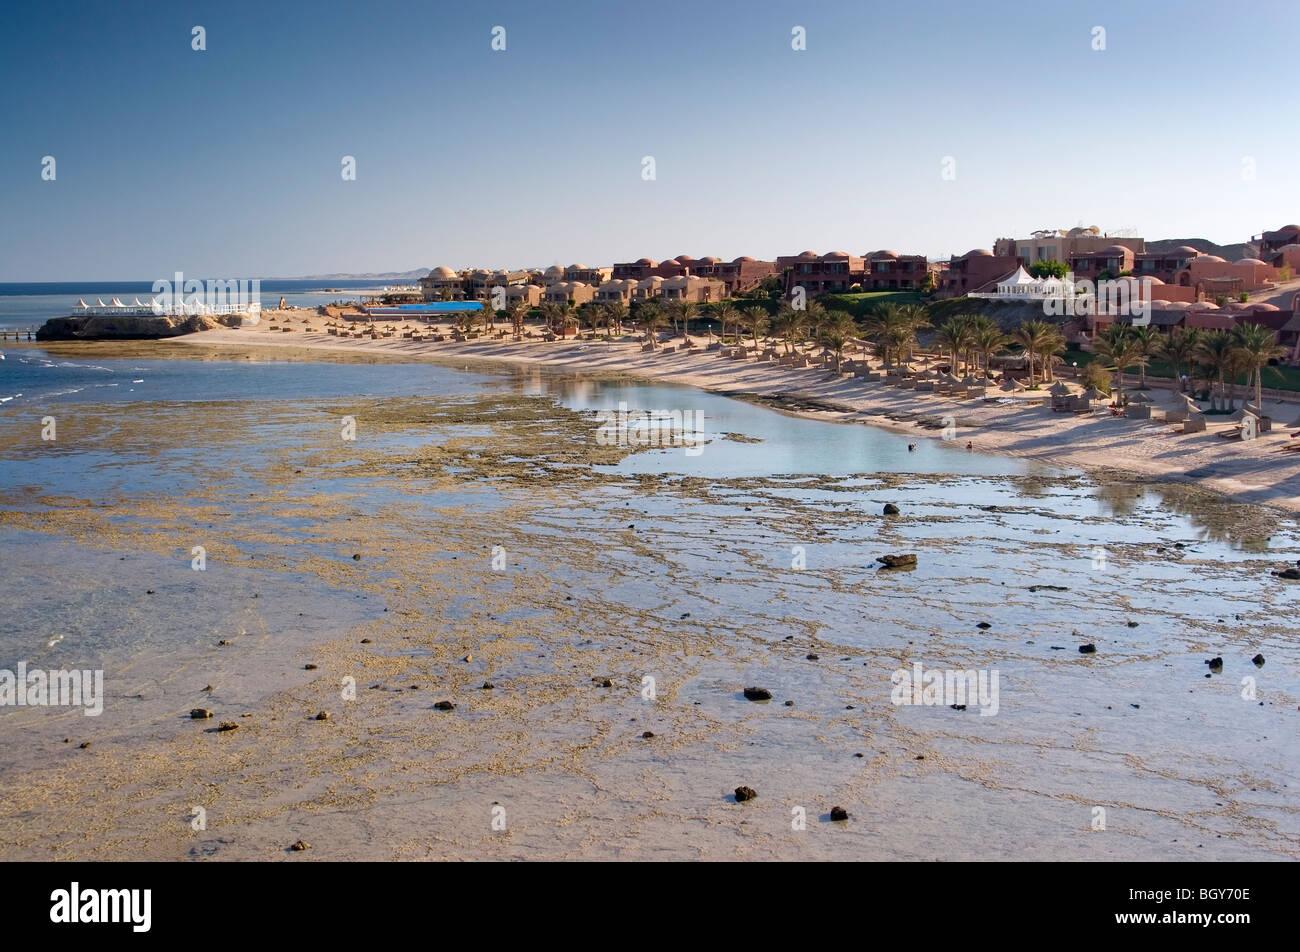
pixel 619 577
pixel 1259 471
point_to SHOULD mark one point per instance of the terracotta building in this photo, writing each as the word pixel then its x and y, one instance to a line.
pixel 978 270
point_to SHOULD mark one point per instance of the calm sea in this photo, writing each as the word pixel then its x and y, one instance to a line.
pixel 27 305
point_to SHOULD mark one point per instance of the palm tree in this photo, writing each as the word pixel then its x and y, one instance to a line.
pixel 913 318
pixel 687 310
pixel 1117 346
pixel 788 324
pixel 1149 341
pixel 726 314
pixel 1215 352
pixel 955 336
pixel 651 316
pixel 892 329
pixel 552 314
pixel 836 331
pixel 987 339
pixel 1180 348
pixel 756 321
pixel 1039 339
pixel 1255 345
pixel 616 311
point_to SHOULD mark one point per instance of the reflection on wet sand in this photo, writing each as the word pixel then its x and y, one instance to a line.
pixel 484 537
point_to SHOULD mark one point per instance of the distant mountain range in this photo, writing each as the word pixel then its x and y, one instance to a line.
pixel 1229 252
pixel 368 276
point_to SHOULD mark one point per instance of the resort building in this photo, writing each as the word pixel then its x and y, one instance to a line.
pixel 1212 275
pixel 693 289
pixel 1061 245
pixel 836 271
pixel 1271 242
pixel 648 288
pixel 1164 265
pixel 978 270
pixel 529 294
pixel 571 293
pixel 441 284
pixel 739 275
pixel 1109 262
pixel 887 270
pixel 617 290
pixel 639 270
pixel 592 276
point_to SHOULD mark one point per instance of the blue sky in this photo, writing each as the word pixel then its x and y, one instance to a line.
pixel 227 162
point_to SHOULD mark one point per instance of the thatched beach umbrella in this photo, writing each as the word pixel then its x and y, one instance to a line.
pixel 1010 386
pixel 1137 396
pixel 1059 389
pixel 1092 394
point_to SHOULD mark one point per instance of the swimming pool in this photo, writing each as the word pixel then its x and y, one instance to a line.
pixel 428 307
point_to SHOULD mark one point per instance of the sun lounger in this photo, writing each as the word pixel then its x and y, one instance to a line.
pixel 1195 424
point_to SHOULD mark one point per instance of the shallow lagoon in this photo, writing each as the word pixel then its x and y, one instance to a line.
pixel 679 567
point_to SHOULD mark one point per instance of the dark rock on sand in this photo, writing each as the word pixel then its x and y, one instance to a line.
pixel 309 667
pixel 488 686
pixel 891 509
pixel 1258 660
pixel 199 713
pixel 758 694
pixel 1216 664
pixel 813 657
pixel 789 703
pixel 323 716
pixel 1089 648
pixel 1288 573
pixel 839 813
pixel 745 793
pixel 1048 588
pixel 896 561
pixel 227 726
pixel 356 557
pixel 300 846
pixel 445 706
pixel 648 734
pixel 985 625
pixel 958 707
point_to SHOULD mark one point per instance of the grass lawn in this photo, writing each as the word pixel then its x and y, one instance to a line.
pixel 861 302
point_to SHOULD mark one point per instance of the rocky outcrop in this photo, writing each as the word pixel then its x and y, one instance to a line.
pixel 150 327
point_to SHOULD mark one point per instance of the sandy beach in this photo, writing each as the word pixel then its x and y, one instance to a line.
pixel 1259 471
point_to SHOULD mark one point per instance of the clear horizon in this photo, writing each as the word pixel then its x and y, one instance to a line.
pixel 226 161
